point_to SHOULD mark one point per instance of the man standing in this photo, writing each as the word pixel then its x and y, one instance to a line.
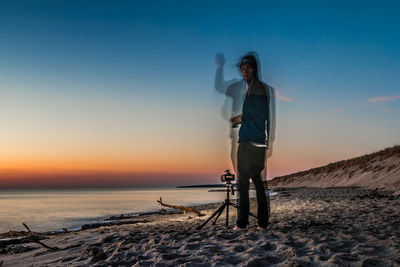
pixel 255 136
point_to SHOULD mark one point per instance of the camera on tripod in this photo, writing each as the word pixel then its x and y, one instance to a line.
pixel 227 177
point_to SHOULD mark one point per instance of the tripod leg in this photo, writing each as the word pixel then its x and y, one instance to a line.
pixel 237 206
pixel 227 215
pixel 219 214
pixel 234 205
pixel 218 211
pixel 252 215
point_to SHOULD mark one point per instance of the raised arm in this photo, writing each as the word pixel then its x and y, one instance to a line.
pixel 220 84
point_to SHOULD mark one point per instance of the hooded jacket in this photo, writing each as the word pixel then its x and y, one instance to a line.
pixel 257 115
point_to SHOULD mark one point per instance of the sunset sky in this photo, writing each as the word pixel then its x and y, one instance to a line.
pixel 120 93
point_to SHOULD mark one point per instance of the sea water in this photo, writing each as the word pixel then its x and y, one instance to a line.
pixel 55 209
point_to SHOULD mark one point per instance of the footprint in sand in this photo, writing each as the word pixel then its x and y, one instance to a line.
pixel 195 239
pixel 191 246
pixel 268 246
pixel 265 261
pixel 239 248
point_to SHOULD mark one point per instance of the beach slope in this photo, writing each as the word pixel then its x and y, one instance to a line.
pixel 377 170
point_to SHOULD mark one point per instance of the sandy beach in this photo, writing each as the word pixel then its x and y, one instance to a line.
pixel 308 227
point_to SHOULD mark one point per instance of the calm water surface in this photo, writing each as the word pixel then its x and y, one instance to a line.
pixel 47 210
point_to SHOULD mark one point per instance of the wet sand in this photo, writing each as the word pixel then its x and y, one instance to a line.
pixel 308 227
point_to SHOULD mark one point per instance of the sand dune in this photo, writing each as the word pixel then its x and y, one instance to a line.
pixel 377 170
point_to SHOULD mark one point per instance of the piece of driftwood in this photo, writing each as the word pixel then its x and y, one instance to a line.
pixel 180 207
pixel 17 241
pixel 26 226
pixel 36 240
pixel 13 234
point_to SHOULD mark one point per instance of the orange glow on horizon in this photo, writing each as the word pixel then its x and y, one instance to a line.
pixel 193 163
pixel 28 168
pixel 140 166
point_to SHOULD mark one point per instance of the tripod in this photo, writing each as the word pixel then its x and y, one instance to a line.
pixel 226 204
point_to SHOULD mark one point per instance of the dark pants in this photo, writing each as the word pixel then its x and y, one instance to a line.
pixel 251 161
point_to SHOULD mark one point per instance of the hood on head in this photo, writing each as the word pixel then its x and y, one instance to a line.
pixel 252 59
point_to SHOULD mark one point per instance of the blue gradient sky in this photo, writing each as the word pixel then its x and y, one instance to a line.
pixel 128 85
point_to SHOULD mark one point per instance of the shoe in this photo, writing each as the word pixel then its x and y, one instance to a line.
pixel 237 228
pixel 259 228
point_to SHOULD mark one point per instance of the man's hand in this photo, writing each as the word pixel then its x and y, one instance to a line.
pixel 220 60
pixel 237 119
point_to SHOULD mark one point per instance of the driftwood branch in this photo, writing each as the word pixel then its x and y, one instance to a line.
pixel 15 241
pixel 35 240
pixel 44 245
pixel 180 207
pixel 26 226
